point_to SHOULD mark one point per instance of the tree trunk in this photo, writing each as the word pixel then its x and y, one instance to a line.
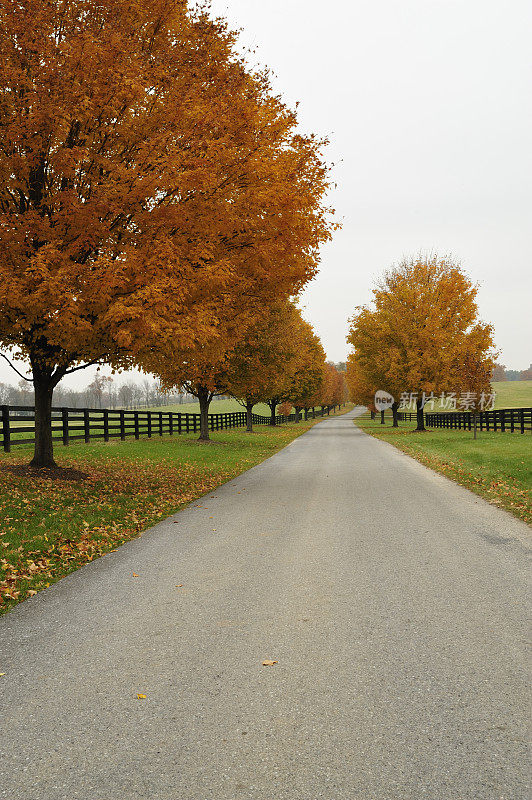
pixel 313 412
pixel 306 414
pixel 298 413
pixel 395 410
pixel 249 416
pixel 420 416
pixel 204 397
pixel 273 406
pixel 44 448
pixel 382 417
pixel 372 414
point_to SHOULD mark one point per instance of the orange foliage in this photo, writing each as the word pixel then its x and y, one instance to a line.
pixel 423 335
pixel 152 189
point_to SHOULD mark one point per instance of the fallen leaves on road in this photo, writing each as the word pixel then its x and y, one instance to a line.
pixel 268 663
pixel 135 575
pixel 141 697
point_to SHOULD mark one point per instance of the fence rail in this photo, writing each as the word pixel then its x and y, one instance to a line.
pixel 505 420
pixel 88 424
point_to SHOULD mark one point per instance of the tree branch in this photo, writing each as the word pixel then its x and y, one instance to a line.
pixel 16 370
pixel 83 366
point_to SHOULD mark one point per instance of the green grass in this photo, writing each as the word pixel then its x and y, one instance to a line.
pixel 509 394
pixel 495 466
pixel 513 394
pixel 52 526
pixel 216 407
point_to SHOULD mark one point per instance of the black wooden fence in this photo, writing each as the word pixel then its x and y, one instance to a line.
pixel 505 420
pixel 87 424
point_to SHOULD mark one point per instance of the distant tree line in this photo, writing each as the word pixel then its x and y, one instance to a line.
pixel 500 373
pixel 103 392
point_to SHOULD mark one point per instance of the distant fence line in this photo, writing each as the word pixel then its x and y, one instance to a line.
pixel 87 424
pixel 505 420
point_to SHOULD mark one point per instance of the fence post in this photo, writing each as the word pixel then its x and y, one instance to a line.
pixel 136 418
pixel 160 423
pixel 178 423
pixel 86 425
pixel 122 425
pixel 503 424
pixel 149 424
pixel 106 425
pixel 521 420
pixel 171 423
pixel 64 419
pixel 6 432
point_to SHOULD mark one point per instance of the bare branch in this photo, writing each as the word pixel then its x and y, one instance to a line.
pixel 24 377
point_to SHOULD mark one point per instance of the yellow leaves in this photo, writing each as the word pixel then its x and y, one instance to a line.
pixel 423 333
pixel 141 697
pixel 134 574
pixel 269 663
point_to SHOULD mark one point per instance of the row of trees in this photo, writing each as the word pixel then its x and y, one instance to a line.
pixel 101 392
pixel 422 336
pixel 158 205
pixel 500 373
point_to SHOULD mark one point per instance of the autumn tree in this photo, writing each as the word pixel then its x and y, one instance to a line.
pixel 305 385
pixel 264 364
pixel 499 372
pixel 424 325
pixel 361 390
pixel 285 408
pixel 371 360
pixel 147 179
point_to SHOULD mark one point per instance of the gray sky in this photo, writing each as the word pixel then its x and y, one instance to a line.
pixel 426 103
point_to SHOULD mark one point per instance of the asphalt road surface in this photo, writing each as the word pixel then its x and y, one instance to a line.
pixel 392 599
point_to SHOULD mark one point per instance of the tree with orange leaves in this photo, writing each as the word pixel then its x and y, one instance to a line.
pixel 264 364
pixel 306 383
pixel 333 391
pixel 423 330
pixel 147 179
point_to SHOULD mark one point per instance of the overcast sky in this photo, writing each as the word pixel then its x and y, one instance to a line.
pixel 427 106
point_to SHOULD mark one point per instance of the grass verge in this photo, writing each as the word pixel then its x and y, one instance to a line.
pixel 495 466
pixel 50 527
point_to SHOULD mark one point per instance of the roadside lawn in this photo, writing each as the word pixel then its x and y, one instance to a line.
pixel 51 526
pixel 497 466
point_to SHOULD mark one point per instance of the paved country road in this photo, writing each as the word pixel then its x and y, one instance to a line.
pixel 392 599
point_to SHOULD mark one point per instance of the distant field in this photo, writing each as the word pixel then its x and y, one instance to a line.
pixel 513 394
pixel 216 407
pixel 509 394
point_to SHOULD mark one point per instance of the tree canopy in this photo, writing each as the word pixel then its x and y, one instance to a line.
pixel 153 189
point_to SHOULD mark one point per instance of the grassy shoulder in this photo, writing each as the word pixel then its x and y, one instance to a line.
pixel 495 466
pixel 50 527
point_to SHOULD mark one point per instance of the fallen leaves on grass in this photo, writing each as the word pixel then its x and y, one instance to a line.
pixel 53 527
